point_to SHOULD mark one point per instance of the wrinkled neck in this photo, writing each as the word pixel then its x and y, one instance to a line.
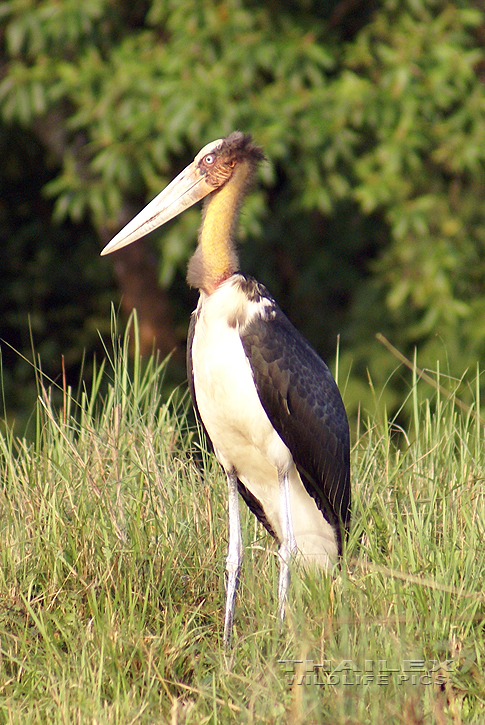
pixel 215 258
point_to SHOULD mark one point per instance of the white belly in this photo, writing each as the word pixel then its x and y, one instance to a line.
pixel 242 434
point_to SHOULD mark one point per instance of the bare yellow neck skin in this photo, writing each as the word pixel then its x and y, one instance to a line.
pixel 216 259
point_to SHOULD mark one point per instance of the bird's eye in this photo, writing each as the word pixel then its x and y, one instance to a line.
pixel 209 159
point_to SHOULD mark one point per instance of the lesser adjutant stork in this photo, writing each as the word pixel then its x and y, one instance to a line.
pixel 266 400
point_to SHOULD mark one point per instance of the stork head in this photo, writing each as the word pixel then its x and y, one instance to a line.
pixel 211 169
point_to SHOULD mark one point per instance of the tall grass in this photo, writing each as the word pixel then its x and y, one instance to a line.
pixel 112 547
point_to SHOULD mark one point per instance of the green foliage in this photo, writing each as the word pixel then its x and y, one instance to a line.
pixel 373 123
pixel 55 288
pixel 424 170
pixel 112 546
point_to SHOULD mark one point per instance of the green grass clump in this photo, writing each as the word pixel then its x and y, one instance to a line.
pixel 112 548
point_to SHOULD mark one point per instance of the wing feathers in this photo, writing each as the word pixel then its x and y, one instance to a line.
pixel 303 403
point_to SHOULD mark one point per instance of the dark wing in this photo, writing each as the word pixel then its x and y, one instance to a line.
pixel 251 501
pixel 190 368
pixel 303 403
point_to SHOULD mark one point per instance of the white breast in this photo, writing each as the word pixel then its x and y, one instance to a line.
pixel 241 432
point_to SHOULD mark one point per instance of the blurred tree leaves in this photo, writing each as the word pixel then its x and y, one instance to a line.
pixel 368 216
pixel 55 291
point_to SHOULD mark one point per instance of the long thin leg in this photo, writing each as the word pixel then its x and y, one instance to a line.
pixel 234 556
pixel 288 543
